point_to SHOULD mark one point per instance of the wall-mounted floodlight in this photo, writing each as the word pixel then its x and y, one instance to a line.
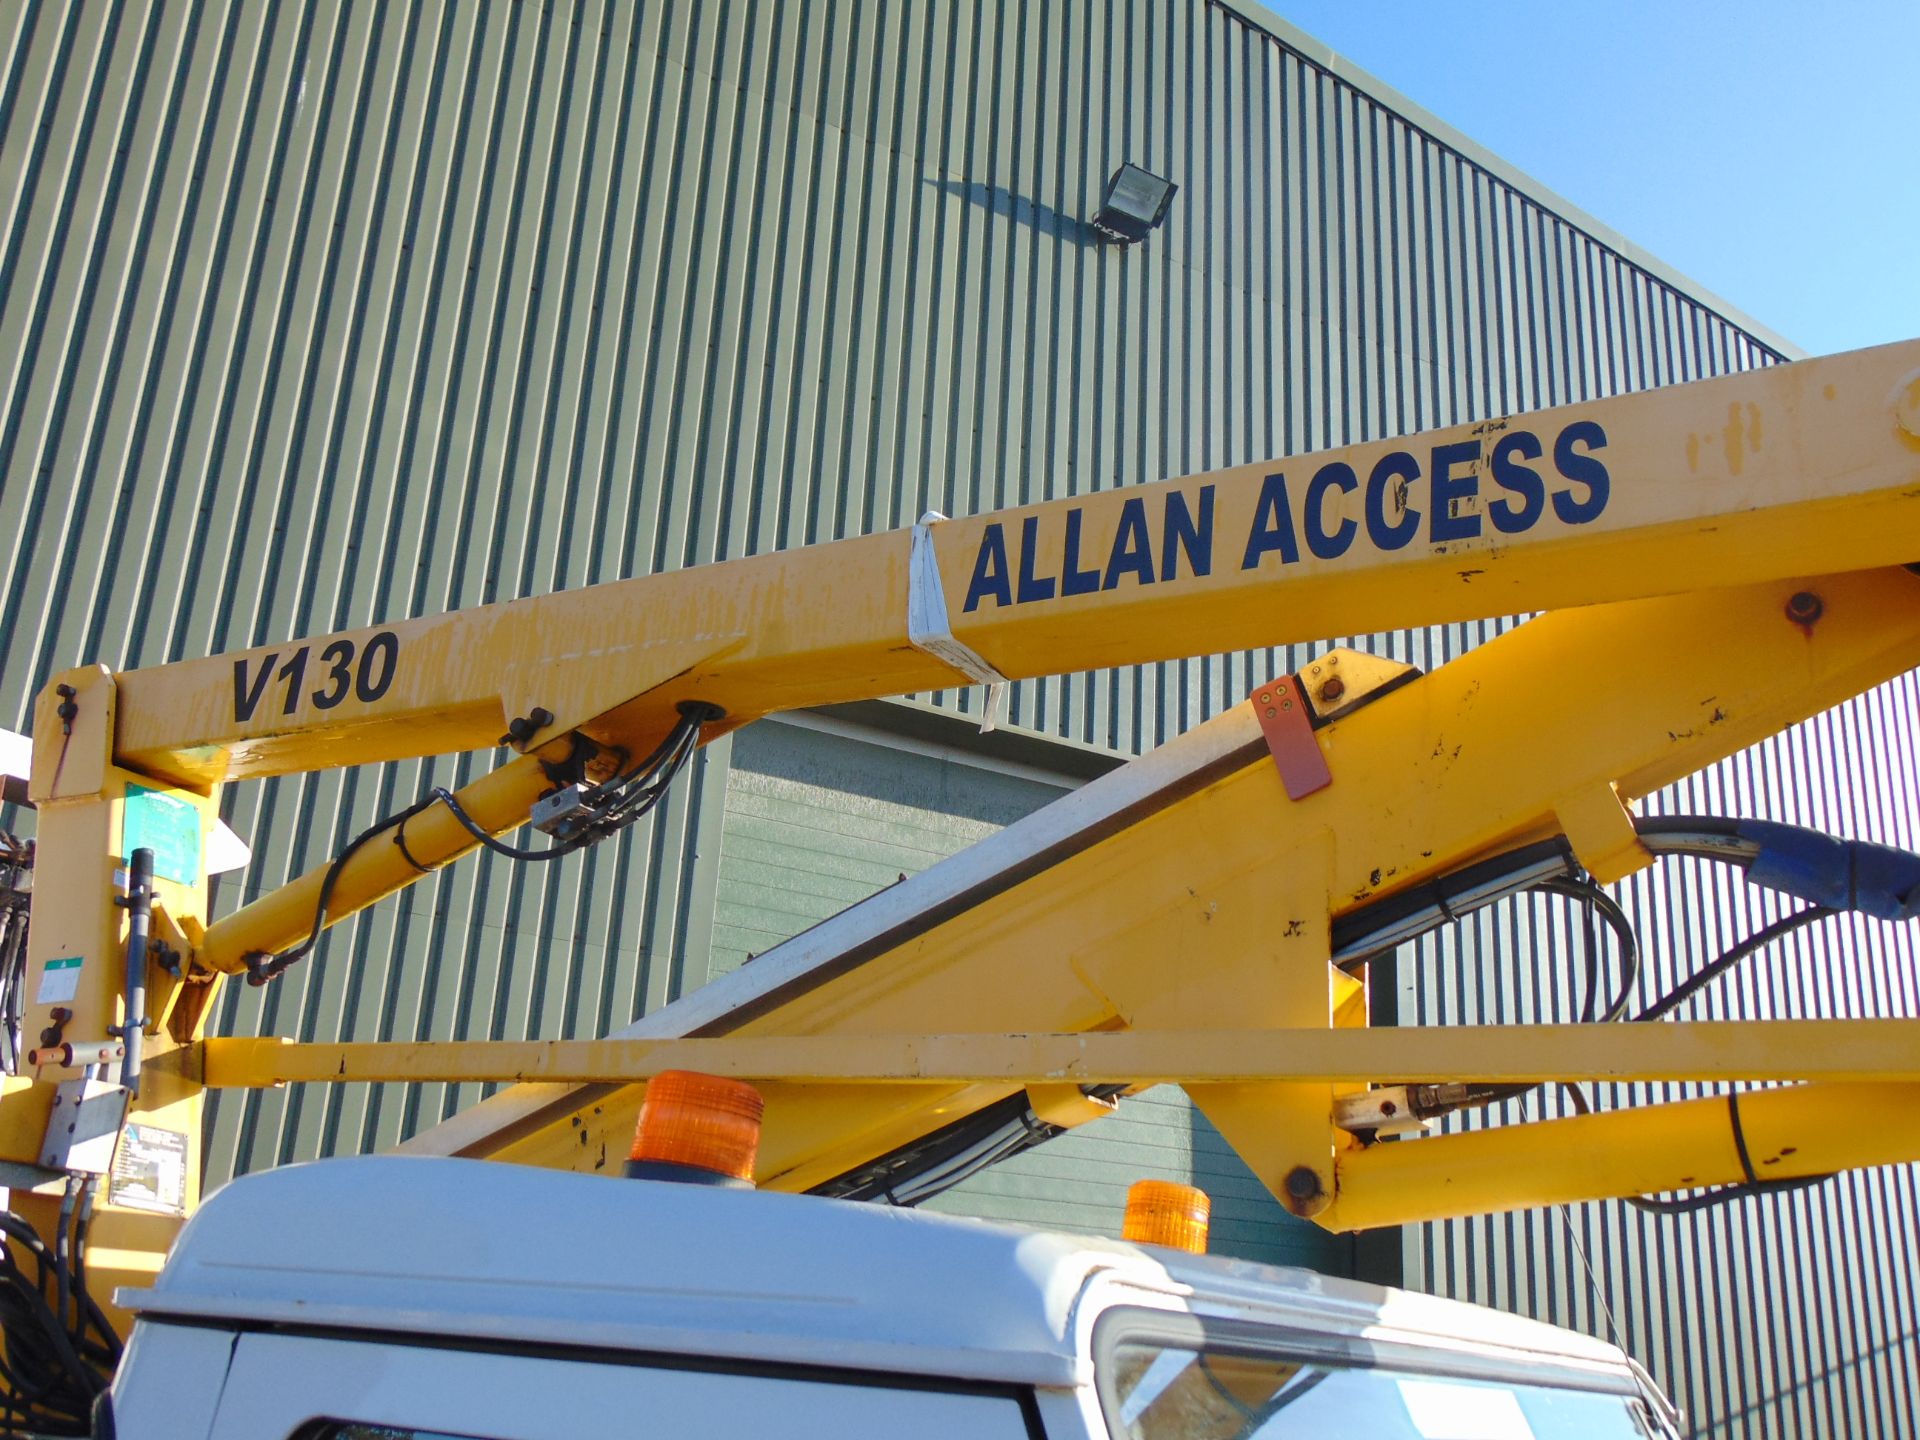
pixel 1134 205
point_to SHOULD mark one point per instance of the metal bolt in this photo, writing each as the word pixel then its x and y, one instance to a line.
pixel 1333 689
pixel 524 728
pixel 1304 1195
pixel 1805 607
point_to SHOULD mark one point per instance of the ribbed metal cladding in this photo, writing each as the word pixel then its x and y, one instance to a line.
pixel 313 314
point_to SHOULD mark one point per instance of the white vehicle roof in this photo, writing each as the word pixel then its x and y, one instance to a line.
pixel 483 1250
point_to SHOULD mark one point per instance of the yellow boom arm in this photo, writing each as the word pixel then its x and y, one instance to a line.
pixel 1772 510
pixel 1796 469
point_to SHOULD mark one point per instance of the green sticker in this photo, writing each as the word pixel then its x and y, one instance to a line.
pixel 168 826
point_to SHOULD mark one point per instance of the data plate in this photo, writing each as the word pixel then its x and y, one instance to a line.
pixel 150 1171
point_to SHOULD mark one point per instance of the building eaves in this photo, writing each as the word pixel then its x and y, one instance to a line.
pixel 1322 57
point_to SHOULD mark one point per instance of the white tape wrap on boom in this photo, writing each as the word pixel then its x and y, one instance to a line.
pixel 928 629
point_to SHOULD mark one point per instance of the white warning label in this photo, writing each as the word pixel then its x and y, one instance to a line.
pixel 59 981
pixel 150 1172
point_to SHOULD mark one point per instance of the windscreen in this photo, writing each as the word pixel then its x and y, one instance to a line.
pixel 1165 1391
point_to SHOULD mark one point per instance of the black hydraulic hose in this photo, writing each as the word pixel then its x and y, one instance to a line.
pixel 635 792
pixel 262 968
pixel 1392 921
pixel 1618 921
pixel 1719 966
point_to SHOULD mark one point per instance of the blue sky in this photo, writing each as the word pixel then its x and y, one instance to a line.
pixel 1768 150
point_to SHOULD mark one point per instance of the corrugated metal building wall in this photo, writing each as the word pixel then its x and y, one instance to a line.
pixel 313 314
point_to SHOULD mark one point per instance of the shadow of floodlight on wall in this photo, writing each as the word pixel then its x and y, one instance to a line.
pixel 1020 210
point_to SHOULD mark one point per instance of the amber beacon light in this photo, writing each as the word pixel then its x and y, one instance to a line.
pixel 1160 1212
pixel 697 1128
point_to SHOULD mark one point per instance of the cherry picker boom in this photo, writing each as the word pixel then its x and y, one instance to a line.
pixel 1716 561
